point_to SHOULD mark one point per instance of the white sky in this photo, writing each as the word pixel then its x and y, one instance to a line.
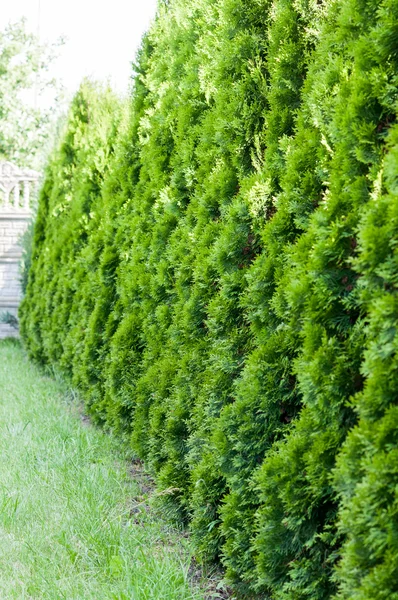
pixel 102 35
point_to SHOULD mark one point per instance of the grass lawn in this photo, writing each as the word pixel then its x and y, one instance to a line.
pixel 70 519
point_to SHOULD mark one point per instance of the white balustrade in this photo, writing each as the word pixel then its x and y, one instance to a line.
pixel 13 179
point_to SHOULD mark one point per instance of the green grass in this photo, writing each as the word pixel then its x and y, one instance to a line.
pixel 70 525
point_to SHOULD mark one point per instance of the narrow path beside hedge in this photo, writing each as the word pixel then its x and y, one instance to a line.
pixel 70 522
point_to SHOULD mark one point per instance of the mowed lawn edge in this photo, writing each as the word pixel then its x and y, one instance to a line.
pixel 70 520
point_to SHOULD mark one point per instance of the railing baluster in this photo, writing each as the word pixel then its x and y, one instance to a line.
pixel 26 195
pixel 16 195
pixel 7 199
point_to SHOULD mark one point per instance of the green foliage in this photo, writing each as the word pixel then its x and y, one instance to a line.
pixel 215 269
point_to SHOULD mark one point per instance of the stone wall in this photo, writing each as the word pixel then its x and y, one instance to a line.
pixel 12 226
pixel 16 204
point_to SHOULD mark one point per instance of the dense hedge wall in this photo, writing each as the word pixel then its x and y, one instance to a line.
pixel 215 266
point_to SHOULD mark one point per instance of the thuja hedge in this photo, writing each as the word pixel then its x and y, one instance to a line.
pixel 215 267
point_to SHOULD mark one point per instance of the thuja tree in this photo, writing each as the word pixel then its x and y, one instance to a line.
pixel 366 472
pixel 214 267
pixel 69 213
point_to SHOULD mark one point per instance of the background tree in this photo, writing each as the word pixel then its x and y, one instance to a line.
pixel 26 124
